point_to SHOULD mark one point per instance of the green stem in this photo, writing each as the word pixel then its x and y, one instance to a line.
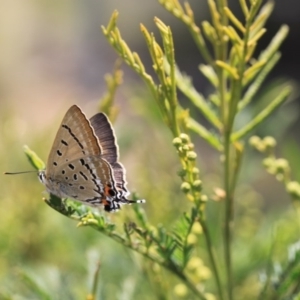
pixel 95 281
pixel 229 178
pixel 212 257
pixel 228 216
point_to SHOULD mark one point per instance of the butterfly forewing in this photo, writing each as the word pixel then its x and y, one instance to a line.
pixel 74 139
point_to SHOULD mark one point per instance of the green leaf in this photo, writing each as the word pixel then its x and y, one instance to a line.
pixel 34 160
pixel 266 112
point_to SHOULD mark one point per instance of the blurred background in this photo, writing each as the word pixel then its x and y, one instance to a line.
pixel 53 55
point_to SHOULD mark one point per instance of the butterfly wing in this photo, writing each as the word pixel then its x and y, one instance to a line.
pixel 87 179
pixel 109 148
pixel 75 139
pixel 119 176
pixel 105 134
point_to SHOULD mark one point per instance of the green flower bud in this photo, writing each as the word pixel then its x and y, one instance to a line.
pixel 191 155
pixel 181 173
pixel 184 137
pixel 270 164
pixel 185 187
pixel 257 143
pixel 185 148
pixel 195 171
pixel 269 142
pixel 254 141
pixel 197 185
pixel 282 165
pixel 293 188
pixel 177 142
pixel 204 198
pixel 191 146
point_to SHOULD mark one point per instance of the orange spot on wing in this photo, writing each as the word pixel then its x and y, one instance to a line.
pixel 106 190
pixel 105 202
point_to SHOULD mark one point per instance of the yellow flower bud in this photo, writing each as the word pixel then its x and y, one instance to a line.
pixel 180 290
pixel 191 239
pixel 197 228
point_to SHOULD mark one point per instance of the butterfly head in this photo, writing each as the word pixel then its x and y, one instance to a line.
pixel 42 176
pixel 52 186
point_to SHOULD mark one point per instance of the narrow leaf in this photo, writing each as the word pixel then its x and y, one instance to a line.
pixel 204 133
pixel 285 92
pixel 34 160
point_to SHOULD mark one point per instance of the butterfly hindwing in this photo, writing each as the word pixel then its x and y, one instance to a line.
pixel 105 134
pixel 119 176
pixel 109 149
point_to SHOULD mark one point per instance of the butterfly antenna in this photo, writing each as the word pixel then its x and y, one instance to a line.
pixel 16 173
pixel 134 201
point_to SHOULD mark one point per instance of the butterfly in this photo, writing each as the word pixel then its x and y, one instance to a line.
pixel 83 162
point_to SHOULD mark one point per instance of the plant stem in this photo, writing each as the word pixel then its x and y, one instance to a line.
pixel 228 215
pixel 212 257
pixel 95 281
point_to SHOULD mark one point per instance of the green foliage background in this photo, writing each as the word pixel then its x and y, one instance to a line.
pixel 43 255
